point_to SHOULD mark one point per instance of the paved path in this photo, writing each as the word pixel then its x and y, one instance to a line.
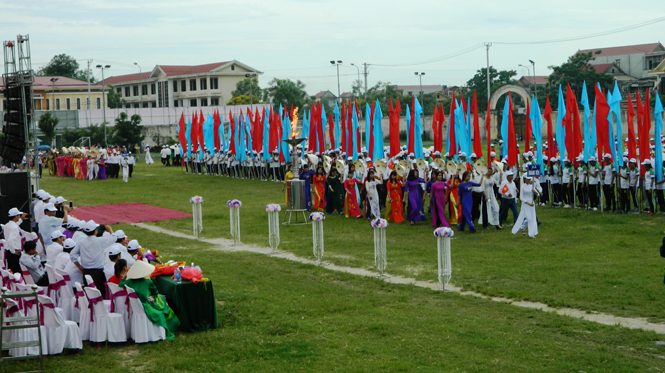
pixel 601 318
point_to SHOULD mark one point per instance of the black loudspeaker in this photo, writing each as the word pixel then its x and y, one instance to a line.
pixel 14 183
pixel 11 154
pixel 21 202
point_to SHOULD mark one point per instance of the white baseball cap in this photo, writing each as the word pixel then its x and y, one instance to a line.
pixel 60 200
pixel 133 245
pixel 114 250
pixel 50 207
pixel 69 244
pixel 90 226
pixel 119 234
pixel 14 212
pixel 56 234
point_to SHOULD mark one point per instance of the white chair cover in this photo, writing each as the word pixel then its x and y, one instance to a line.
pixel 20 335
pixel 60 333
pixel 66 299
pixel 143 330
pixel 53 285
pixel 68 291
pixel 120 304
pixel 26 275
pixel 84 312
pixel 104 326
pixel 91 283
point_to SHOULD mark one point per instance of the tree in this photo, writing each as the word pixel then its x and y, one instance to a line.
pixel 576 71
pixel 127 131
pixel 113 98
pixel 250 88
pixel 479 84
pixel 241 100
pixel 64 65
pixel 288 92
pixel 357 88
pixel 47 124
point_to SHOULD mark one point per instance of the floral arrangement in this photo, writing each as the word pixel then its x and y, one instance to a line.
pixel 234 203
pixel 273 207
pixel 379 223
pixel 196 199
pixel 443 232
pixel 317 216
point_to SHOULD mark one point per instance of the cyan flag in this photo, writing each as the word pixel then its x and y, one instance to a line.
pixel 613 146
pixel 584 100
pixel 236 136
pixel 338 138
pixel 266 134
pixel 460 128
pixel 378 132
pixel 468 127
pixel 368 121
pixel 286 132
pixel 408 126
pixel 188 136
pixel 209 133
pixel 418 130
pixel 305 131
pixel 560 131
pixel 240 147
pixel 355 132
pixel 536 125
pixel 504 127
pixel 451 127
pixel 658 132
pixel 615 106
pixel 324 120
pixel 248 129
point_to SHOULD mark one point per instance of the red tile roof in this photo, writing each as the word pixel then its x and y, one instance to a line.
pixel 417 87
pixel 169 70
pixel 628 49
pixel 602 67
pixel 63 83
pixel 126 78
pixel 540 79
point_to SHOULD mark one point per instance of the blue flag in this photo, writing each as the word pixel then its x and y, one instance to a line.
pixel 286 132
pixel 209 133
pixel 584 100
pixel 658 132
pixel 408 126
pixel 324 120
pixel 305 130
pixel 560 131
pixel 355 132
pixel 338 139
pixel 248 129
pixel 378 132
pixel 266 134
pixel 504 127
pixel 418 130
pixel 240 147
pixel 368 122
pixel 615 107
pixel 451 127
pixel 613 145
pixel 468 127
pixel 536 126
pixel 460 128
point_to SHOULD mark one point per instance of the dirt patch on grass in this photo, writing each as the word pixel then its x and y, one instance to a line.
pixel 131 359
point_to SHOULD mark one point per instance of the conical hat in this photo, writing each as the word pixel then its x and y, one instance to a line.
pixel 140 269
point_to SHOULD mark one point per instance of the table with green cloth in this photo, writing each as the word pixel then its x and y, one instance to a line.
pixel 194 304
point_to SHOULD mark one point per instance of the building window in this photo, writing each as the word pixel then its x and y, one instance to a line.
pixel 175 86
pixel 68 104
pixel 145 104
pixel 214 83
pixel 57 104
pixel 48 104
pixel 78 103
pixel 136 105
pixel 192 102
pixel 144 89
pixel 204 84
pixel 154 104
pixel 214 102
pixel 119 91
pixel 135 89
pixel 126 91
pixel 183 85
pixel 128 106
pixel 175 103
pixel 87 103
pixel 192 84
pixel 153 89
pixel 99 103
pixel 233 67
pixel 204 102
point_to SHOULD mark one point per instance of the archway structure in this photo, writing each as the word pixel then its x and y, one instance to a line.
pixel 494 125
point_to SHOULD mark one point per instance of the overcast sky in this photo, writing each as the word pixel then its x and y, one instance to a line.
pixel 296 39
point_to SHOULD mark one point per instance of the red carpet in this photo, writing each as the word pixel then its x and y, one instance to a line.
pixel 126 213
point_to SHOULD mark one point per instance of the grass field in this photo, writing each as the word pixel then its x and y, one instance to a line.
pixel 279 316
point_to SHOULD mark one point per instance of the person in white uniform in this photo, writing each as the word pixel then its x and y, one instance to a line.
pixel 148 158
pixel 527 216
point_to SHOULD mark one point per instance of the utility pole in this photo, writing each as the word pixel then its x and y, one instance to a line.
pixel 535 87
pixel 487 47
pixel 365 73
pixel 87 105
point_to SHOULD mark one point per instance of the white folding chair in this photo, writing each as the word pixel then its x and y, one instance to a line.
pixel 53 285
pixel 91 283
pixel 68 291
pixel 105 326
pixel 8 280
pixel 26 275
pixel 120 304
pixel 143 330
pixel 65 300
pixel 20 335
pixel 84 312
pixel 60 333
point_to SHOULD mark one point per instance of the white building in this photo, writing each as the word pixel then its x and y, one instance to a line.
pixel 182 86
pixel 634 60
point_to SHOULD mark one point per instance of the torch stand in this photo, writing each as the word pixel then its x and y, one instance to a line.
pixel 295 189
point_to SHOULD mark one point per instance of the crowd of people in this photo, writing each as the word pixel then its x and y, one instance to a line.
pixel 90 254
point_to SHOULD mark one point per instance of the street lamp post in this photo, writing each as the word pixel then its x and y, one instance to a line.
pixel 53 80
pixel 420 76
pixel 528 71
pixel 251 95
pixel 337 63
pixel 140 85
pixel 106 143
pixel 535 87
pixel 357 68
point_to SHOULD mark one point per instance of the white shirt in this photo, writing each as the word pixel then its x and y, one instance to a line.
pixel 90 251
pixel 12 233
pixel 78 236
pixel 624 183
pixel 61 261
pixel 593 180
pixel 39 211
pixel 73 271
pixel 634 176
pixel 608 174
pixel 48 225
pixel 649 178
pixel 555 178
pixel 52 252
pixel 511 191
pixel 34 266
pixel 478 179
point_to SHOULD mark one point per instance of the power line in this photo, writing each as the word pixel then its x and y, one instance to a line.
pixel 602 33
pixel 437 59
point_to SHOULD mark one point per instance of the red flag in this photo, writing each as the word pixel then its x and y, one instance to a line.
pixel 442 120
pixel 578 143
pixel 280 129
pixel 488 119
pixel 568 125
pixel 527 129
pixel 358 138
pixel 412 127
pixel 194 132
pixel 331 130
pixel 632 151
pixel 216 123
pixel 201 121
pixel 477 146
pixel 394 129
pixel 232 123
pixel 512 140
pixel 343 128
pixel 602 125
pixel 452 146
pixel 645 151
pixel 181 133
pixel 551 149
pixel 435 131
pixel 319 130
pixel 311 137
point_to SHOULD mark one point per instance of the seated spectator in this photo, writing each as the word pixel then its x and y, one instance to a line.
pixel 30 260
pixel 120 271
